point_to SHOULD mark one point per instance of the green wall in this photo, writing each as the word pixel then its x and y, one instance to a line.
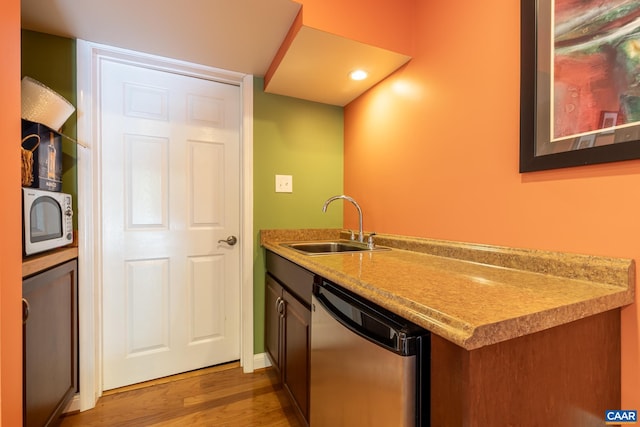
pixel 52 61
pixel 299 138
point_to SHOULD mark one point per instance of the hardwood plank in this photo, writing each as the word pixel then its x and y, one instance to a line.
pixel 219 396
pixel 172 378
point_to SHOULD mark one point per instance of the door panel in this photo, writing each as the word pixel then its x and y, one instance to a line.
pixel 146 182
pixel 147 306
pixel 207 172
pixel 170 191
pixel 207 312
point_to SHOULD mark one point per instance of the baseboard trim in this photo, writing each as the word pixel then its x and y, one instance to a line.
pixel 261 361
pixel 73 405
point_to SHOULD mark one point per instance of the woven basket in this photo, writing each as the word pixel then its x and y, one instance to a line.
pixel 27 160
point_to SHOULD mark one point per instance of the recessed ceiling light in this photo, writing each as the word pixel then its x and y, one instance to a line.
pixel 358 75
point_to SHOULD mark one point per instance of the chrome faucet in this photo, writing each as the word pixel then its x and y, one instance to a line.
pixel 349 199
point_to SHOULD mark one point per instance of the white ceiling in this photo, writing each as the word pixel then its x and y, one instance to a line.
pixel 235 35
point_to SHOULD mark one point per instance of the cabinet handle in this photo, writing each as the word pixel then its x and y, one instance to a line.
pixel 25 310
pixel 278 304
pixel 281 307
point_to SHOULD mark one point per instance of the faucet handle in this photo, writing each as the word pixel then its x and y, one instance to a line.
pixel 370 243
pixel 353 236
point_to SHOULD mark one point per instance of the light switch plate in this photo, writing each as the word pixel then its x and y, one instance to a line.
pixel 284 184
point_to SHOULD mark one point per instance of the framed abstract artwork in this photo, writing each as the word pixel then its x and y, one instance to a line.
pixel 579 82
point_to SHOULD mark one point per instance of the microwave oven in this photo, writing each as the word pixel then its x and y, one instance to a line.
pixel 47 220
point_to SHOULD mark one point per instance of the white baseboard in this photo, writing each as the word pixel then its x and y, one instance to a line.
pixel 261 361
pixel 73 405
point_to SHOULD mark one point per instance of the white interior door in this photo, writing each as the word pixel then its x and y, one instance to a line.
pixel 170 182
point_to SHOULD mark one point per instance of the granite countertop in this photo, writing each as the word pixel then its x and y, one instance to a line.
pixel 470 294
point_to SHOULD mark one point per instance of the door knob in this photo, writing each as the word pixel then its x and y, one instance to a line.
pixel 231 240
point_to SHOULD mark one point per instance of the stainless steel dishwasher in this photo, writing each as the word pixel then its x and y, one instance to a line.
pixel 369 367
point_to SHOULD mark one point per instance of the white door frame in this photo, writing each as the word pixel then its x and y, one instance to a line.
pixel 88 59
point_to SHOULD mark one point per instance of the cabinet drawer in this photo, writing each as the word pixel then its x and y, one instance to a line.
pixel 298 280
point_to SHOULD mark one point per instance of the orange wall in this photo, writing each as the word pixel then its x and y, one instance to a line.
pixel 433 151
pixel 10 256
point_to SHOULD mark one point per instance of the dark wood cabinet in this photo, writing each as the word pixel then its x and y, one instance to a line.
pixel 296 348
pixel 273 321
pixel 568 375
pixel 288 290
pixel 50 332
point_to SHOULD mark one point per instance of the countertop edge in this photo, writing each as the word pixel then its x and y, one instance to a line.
pixel 612 272
pixel 36 263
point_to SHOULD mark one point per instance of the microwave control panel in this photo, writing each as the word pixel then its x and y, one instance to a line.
pixel 68 218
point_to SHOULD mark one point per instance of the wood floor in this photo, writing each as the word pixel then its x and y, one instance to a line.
pixel 218 396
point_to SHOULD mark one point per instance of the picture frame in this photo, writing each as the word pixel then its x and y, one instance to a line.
pixel 551 135
pixel 608 119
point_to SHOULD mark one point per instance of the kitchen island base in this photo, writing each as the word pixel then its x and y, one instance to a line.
pixel 568 375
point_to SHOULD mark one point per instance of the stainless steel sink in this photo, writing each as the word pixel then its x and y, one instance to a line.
pixel 332 247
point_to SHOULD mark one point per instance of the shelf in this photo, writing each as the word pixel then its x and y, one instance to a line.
pixel 35 263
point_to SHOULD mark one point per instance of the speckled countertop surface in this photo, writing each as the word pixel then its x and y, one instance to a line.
pixel 472 295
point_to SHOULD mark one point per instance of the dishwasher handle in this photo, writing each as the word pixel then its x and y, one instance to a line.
pixel 368 320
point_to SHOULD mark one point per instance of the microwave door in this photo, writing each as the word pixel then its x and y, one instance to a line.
pixel 46 220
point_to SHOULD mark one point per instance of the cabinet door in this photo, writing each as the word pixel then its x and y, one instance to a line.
pixel 297 334
pixel 50 343
pixel 272 321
